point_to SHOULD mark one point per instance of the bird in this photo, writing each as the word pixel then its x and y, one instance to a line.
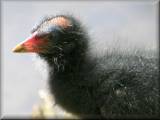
pixel 115 85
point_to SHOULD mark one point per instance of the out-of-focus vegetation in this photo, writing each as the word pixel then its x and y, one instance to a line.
pixel 48 109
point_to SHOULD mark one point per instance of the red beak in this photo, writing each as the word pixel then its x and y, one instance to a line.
pixel 31 44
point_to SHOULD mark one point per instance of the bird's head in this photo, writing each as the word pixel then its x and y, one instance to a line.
pixel 55 36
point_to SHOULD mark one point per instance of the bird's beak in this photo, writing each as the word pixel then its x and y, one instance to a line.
pixel 19 48
pixel 31 44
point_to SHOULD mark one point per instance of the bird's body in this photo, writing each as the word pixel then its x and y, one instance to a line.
pixel 115 85
pixel 121 87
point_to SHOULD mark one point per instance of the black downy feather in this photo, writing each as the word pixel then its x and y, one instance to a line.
pixel 113 86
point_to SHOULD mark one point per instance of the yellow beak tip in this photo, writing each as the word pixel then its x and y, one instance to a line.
pixel 13 50
pixel 18 48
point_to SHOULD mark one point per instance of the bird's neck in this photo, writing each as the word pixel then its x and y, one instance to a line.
pixel 67 64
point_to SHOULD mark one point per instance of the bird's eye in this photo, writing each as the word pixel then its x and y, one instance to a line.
pixel 43 35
